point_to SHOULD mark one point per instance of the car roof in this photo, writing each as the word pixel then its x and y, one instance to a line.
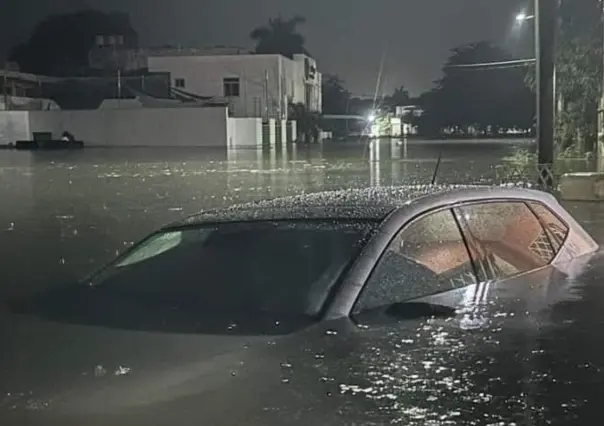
pixel 350 204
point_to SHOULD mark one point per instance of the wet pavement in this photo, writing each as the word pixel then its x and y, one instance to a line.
pixel 63 214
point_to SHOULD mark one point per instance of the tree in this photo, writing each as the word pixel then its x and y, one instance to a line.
pixel 400 97
pixel 336 98
pixel 280 37
pixel 59 45
pixel 480 99
pixel 579 74
pixel 307 123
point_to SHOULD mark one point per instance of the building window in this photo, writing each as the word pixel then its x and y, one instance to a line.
pixel 179 82
pixel 231 87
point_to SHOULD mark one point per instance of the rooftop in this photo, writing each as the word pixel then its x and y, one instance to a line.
pixel 188 51
pixel 360 204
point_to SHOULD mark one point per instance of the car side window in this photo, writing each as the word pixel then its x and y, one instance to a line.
pixel 505 239
pixel 556 229
pixel 428 256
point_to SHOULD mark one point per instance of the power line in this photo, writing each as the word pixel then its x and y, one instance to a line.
pixel 501 64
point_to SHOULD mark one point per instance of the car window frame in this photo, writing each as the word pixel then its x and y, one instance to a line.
pixel 452 206
pixel 354 311
pixel 544 227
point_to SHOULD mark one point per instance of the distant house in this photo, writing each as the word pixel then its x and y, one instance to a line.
pixel 408 111
pixel 23 91
pixel 29 91
pixel 254 85
pixel 116 52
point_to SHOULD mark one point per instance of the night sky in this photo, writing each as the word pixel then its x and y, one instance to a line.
pixel 347 37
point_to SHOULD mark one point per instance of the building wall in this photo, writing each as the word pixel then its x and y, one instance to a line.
pixel 14 126
pixel 204 76
pixel 306 71
pixel 24 103
pixel 137 126
pixel 245 132
pixel 267 82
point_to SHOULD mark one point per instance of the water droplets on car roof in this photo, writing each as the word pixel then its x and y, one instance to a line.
pixel 369 203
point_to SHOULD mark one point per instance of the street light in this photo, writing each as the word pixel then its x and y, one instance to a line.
pixel 545 28
pixel 522 17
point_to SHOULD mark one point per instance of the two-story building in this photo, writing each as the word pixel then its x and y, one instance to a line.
pixel 254 85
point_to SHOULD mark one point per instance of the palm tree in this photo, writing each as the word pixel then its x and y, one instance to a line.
pixel 280 37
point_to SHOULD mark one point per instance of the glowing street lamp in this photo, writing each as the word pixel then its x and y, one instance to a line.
pixel 523 17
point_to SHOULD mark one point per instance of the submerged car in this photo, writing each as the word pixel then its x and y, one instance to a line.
pixel 422 305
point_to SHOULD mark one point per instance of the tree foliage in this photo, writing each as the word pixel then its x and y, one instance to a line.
pixel 400 97
pixel 307 121
pixel 579 73
pixel 485 99
pixel 336 101
pixel 280 36
pixel 336 98
pixel 59 44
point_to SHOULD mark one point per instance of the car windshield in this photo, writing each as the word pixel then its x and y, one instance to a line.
pixel 285 268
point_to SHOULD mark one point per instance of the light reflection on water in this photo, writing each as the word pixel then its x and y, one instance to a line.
pixel 65 213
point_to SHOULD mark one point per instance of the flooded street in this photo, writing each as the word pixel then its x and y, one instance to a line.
pixel 501 359
pixel 63 214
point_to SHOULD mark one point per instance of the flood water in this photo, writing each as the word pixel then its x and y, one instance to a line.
pixel 63 214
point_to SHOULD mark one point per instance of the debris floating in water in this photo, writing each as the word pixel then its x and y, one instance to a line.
pixel 99 371
pixel 122 371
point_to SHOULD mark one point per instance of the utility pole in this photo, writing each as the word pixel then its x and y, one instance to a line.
pixel 267 112
pixel 119 84
pixel 600 143
pixel 545 35
pixel 5 88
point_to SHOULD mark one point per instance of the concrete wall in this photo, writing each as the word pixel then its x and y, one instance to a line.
pixel 22 103
pixel 269 132
pixel 14 125
pixel 245 132
pixel 137 126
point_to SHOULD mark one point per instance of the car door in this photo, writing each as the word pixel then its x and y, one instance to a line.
pixel 513 244
pixel 447 367
pixel 408 363
pixel 451 365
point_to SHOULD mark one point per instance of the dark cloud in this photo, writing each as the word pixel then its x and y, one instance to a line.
pixel 347 37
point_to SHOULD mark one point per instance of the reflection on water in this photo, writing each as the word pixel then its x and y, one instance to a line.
pixel 65 213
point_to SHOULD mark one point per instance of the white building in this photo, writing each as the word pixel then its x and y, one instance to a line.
pixel 255 85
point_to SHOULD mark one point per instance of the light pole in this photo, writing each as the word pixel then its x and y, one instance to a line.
pixel 545 34
pixel 600 143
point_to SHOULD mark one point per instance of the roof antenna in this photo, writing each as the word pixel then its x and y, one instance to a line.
pixel 440 154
